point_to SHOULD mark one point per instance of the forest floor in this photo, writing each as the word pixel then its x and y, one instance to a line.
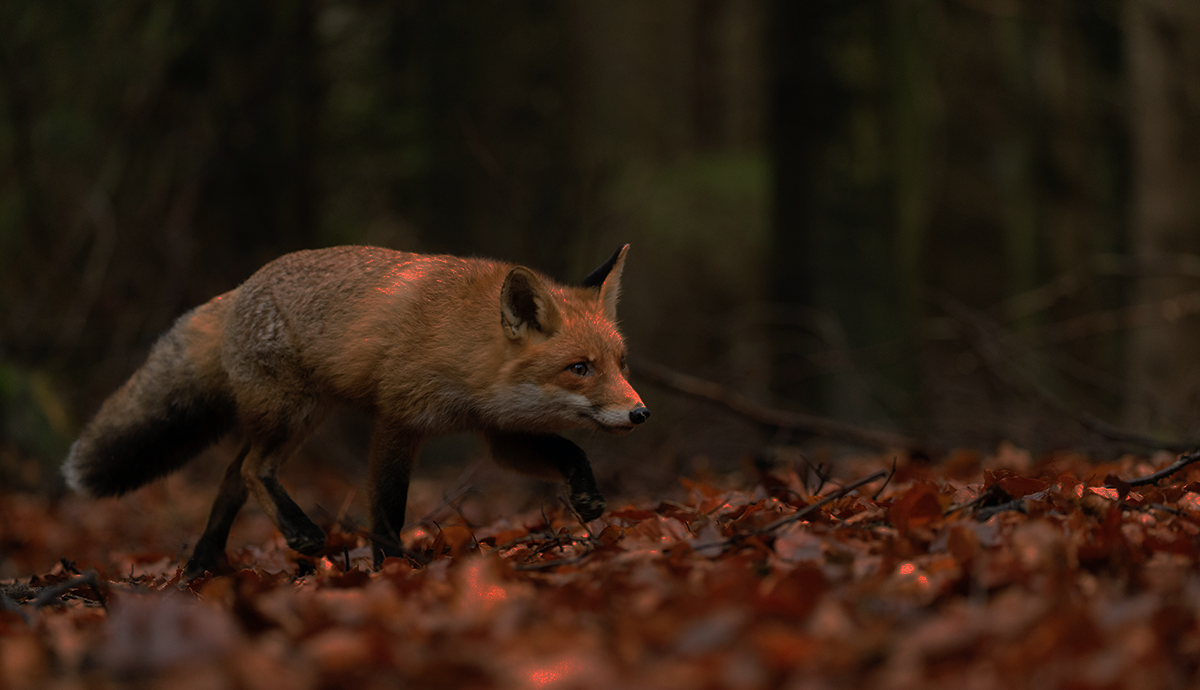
pixel 981 572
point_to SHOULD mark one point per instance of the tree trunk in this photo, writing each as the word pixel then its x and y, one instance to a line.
pixel 1163 39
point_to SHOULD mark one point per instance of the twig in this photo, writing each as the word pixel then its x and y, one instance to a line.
pixel 546 565
pixel 1166 509
pixel 1069 283
pixel 429 517
pixel 794 517
pixel 746 408
pixel 522 540
pixel 578 517
pixel 886 481
pixel 555 542
pixel 1183 461
pixel 1018 504
pixel 7 604
pixel 53 592
pixel 985 514
pixel 800 514
pixel 389 542
pixel 818 470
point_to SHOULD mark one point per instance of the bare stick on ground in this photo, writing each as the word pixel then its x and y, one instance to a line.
pixel 796 516
pixel 89 579
pixel 1183 461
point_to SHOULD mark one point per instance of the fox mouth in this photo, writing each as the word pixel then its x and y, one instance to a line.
pixel 618 429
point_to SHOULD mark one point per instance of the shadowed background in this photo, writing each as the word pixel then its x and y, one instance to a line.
pixel 966 221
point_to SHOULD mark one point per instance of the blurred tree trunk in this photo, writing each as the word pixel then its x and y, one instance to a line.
pixel 501 89
pixel 848 156
pixel 805 105
pixel 1163 39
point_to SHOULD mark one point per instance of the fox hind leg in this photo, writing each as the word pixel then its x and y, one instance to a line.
pixel 210 548
pixel 260 472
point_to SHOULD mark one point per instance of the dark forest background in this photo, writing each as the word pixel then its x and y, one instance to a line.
pixel 967 221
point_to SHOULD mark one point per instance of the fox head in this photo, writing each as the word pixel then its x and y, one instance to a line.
pixel 567 366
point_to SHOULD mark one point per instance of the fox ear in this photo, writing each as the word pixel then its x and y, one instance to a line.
pixel 526 307
pixel 607 279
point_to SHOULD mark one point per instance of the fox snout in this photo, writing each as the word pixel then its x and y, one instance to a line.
pixel 618 420
pixel 639 414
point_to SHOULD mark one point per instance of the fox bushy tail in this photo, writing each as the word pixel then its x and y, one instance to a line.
pixel 178 403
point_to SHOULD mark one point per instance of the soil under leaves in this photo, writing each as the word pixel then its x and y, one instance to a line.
pixel 995 572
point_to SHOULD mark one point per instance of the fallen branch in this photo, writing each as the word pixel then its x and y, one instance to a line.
pixel 89 579
pixel 1183 461
pixel 7 604
pixel 447 500
pixel 794 517
pixel 887 481
pixel 775 418
pixel 806 510
pixel 547 565
pixel 1018 504
pixel 393 544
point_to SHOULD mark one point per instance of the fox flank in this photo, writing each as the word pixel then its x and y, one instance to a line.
pixel 428 345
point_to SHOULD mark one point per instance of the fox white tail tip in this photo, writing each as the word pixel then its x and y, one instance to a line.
pixel 72 473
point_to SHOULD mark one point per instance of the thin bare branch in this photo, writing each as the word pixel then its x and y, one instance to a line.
pixel 1069 283
pixel 807 510
pixel 887 481
pixel 88 579
pixel 771 417
pixel 546 565
pixel 392 543
pixel 432 515
pixel 796 516
pixel 987 338
pixel 1183 461
pixel 7 604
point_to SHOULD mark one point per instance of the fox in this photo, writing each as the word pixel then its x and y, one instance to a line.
pixel 427 345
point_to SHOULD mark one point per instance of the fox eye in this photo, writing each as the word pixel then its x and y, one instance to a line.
pixel 579 369
pixel 624 364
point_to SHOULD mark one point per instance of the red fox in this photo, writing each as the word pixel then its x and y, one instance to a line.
pixel 428 345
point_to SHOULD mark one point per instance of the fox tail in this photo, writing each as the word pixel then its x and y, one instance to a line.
pixel 173 407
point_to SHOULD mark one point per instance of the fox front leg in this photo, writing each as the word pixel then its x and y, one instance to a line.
pixel 551 456
pixel 393 453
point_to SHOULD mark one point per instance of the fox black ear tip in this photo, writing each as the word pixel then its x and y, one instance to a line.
pixel 596 278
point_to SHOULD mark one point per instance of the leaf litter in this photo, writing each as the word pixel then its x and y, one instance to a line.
pixel 1001 572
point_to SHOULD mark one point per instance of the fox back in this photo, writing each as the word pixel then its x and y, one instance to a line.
pixel 437 343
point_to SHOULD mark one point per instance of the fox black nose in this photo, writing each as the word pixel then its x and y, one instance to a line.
pixel 639 414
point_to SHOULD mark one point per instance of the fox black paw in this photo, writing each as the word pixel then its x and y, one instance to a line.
pixel 195 569
pixel 309 542
pixel 589 506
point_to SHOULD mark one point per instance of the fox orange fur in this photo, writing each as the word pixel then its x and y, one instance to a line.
pixel 427 345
